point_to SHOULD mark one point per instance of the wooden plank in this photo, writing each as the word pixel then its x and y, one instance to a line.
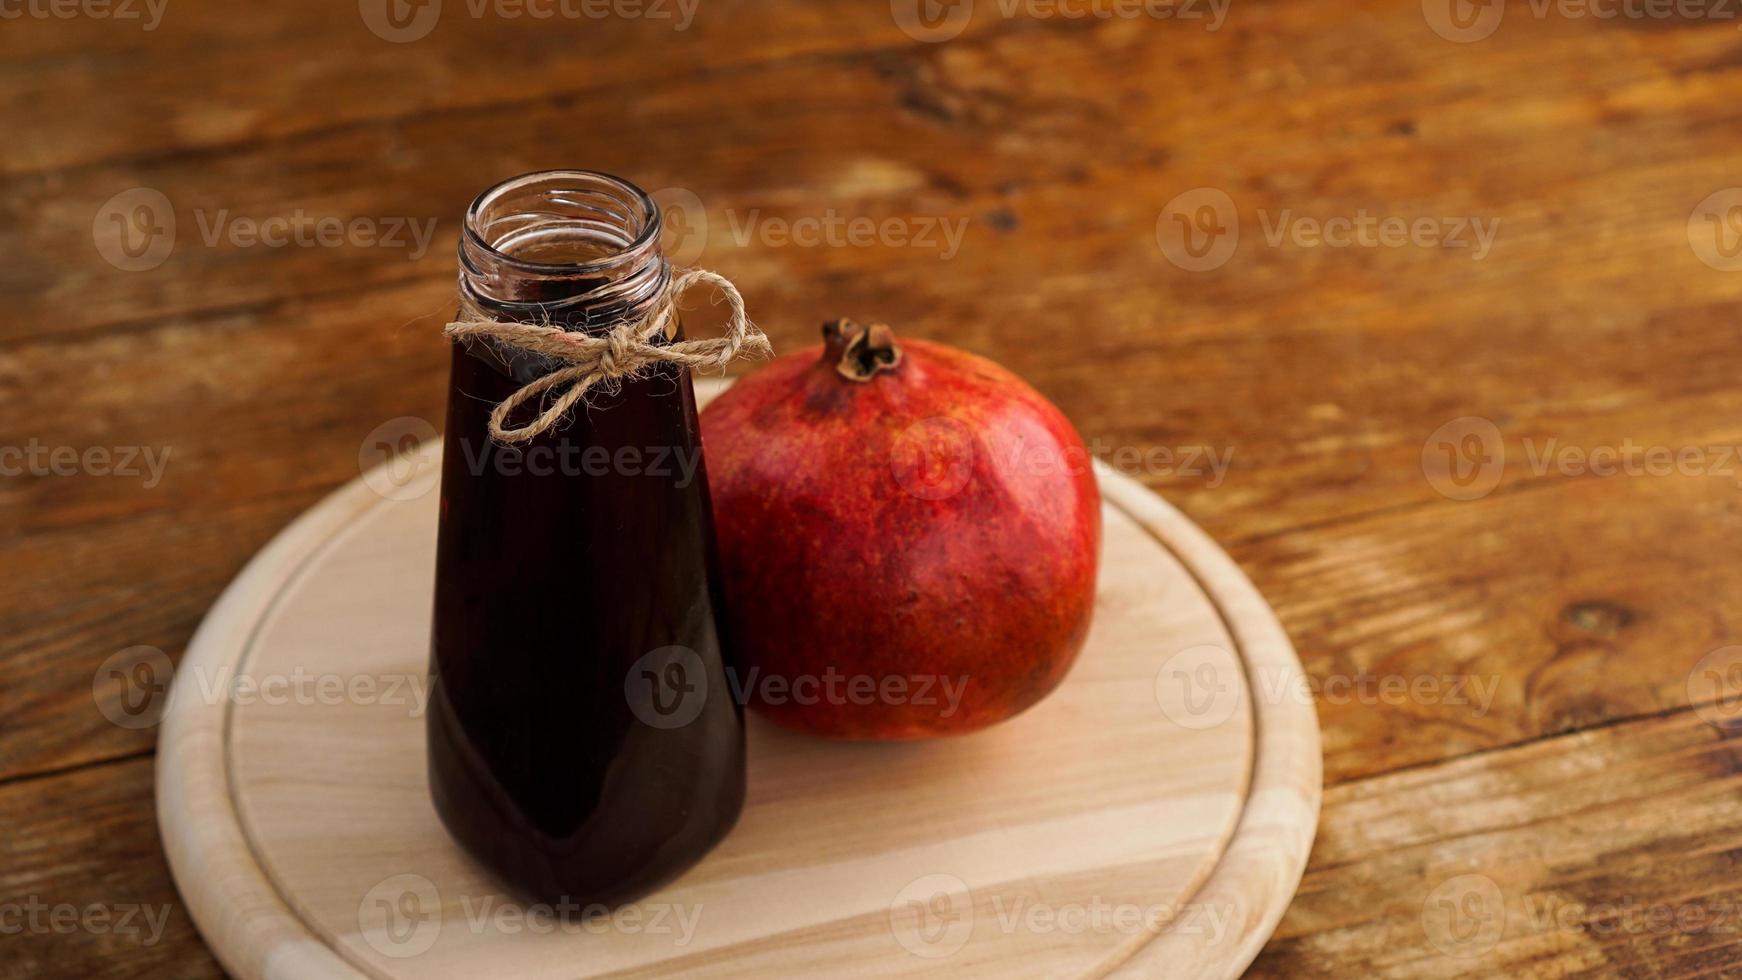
pixel 84 890
pixel 1453 627
pixel 1605 853
pixel 202 80
pixel 103 563
pixel 960 132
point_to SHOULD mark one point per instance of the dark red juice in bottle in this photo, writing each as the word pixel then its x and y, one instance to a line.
pixel 583 740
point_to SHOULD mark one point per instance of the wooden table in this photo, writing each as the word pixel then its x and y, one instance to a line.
pixel 1521 661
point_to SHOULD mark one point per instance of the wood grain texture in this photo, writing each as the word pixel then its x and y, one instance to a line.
pixel 1322 371
pixel 1118 793
pixel 87 891
pixel 1555 856
pixel 1586 601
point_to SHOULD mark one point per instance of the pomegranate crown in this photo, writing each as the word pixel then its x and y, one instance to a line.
pixel 858 352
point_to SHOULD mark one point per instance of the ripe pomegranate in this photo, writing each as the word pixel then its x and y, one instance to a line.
pixel 908 534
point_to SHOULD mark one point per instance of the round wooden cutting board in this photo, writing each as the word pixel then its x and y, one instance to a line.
pixel 1150 818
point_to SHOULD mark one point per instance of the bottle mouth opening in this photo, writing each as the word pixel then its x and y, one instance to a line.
pixel 562 239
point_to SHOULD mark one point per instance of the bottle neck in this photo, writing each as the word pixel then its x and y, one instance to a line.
pixel 570 247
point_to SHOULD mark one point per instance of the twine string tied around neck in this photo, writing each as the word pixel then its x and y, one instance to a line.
pixel 629 349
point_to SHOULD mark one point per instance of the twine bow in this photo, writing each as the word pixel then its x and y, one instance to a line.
pixel 628 350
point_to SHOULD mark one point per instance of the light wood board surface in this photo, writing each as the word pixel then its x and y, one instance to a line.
pixel 1128 817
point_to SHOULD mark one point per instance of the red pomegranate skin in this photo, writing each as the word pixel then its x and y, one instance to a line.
pixel 937 522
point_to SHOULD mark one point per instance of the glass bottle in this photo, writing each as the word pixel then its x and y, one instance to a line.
pixel 583 742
